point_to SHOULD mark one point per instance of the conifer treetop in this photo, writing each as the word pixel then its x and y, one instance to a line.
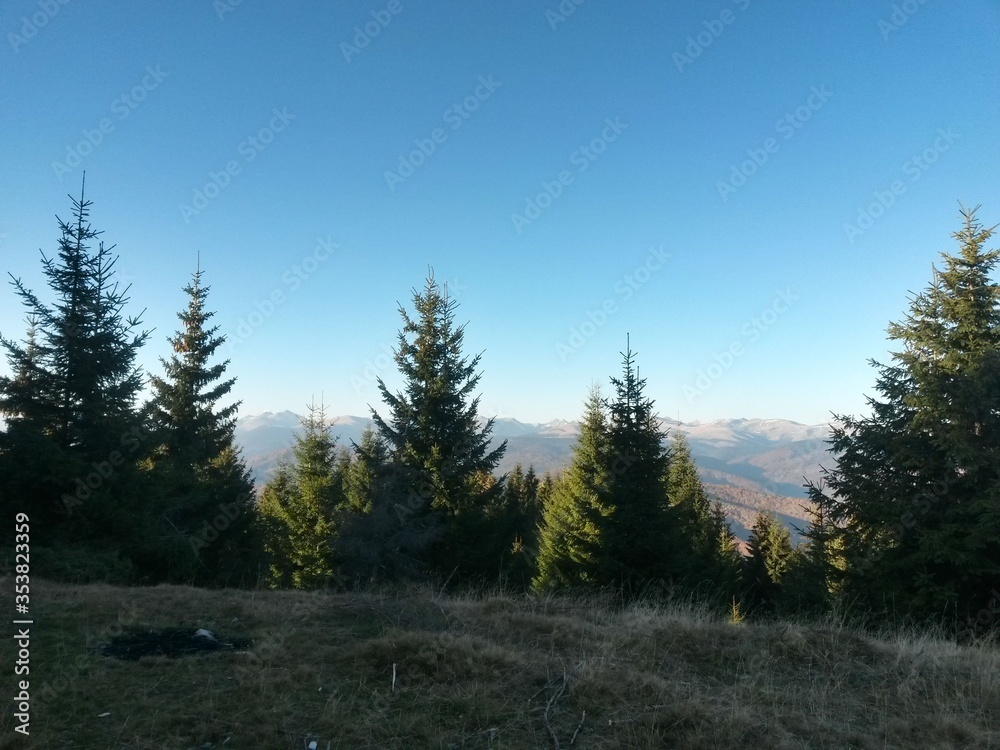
pixel 83 348
pixel 185 399
pixel 434 420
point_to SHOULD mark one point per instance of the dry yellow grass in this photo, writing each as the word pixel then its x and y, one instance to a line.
pixel 419 670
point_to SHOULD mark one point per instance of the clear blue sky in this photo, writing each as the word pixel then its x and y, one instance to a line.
pixel 804 110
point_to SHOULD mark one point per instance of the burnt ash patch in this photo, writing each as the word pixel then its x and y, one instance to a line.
pixel 174 643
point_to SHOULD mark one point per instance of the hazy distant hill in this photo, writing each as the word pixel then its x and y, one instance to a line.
pixel 748 463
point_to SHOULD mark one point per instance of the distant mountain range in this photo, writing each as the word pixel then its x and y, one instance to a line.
pixel 745 463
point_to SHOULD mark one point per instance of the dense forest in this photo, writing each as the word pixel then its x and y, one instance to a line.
pixel 905 527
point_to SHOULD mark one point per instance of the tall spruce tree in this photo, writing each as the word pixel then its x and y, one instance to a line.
pixel 301 507
pixel 609 520
pixel 635 553
pixel 205 488
pixel 71 402
pixel 435 441
pixel 915 495
pixel 574 516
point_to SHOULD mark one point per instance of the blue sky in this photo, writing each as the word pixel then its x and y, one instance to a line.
pixel 750 189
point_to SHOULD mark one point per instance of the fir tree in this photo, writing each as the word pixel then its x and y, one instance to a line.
pixel 698 541
pixel 85 347
pixel 435 439
pixel 608 522
pixel 575 514
pixel 23 396
pixel 72 399
pixel 815 571
pixel 515 523
pixel 522 508
pixel 771 553
pixel 916 490
pixel 33 464
pixel 206 491
pixel 545 489
pixel 635 548
pixel 729 573
pixel 189 424
pixel 274 527
pixel 380 538
pixel 706 556
pixel 300 509
pixel 361 479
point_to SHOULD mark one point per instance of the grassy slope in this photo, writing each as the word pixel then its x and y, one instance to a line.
pixel 497 672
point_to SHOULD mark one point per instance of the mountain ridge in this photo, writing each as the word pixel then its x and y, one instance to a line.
pixel 746 463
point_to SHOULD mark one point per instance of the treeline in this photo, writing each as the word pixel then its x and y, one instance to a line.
pixel 905 526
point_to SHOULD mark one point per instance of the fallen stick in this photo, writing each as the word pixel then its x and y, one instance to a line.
pixel 578 728
pixel 548 706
